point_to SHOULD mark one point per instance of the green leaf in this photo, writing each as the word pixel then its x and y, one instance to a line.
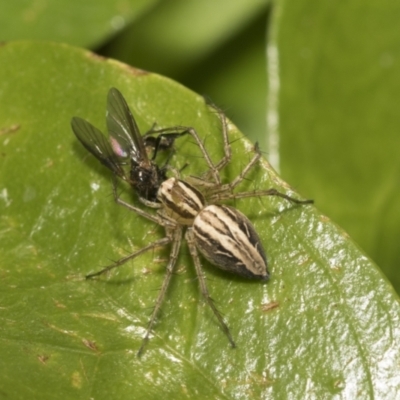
pixel 326 324
pixel 337 108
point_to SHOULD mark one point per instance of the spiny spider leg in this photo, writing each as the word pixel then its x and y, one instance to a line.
pixel 230 186
pixel 152 204
pixel 178 131
pixel 187 130
pixel 225 192
pixel 247 168
pixel 257 193
pixel 158 243
pixel 166 133
pixel 171 133
pixel 173 234
pixel 227 146
pixel 220 191
pixel 176 239
pixel 203 287
pixel 155 218
pixel 215 168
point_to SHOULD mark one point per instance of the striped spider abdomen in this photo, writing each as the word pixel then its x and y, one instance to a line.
pixel 222 234
pixel 228 240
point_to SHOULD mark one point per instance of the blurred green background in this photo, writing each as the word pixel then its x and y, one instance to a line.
pixel 316 83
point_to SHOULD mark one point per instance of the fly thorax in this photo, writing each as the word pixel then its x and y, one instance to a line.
pixel 145 178
pixel 182 202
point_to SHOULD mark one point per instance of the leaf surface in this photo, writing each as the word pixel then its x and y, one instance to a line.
pixel 326 324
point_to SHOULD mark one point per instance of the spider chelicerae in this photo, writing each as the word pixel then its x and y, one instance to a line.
pixel 191 208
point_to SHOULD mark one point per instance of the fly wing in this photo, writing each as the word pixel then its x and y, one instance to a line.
pixel 95 142
pixel 124 133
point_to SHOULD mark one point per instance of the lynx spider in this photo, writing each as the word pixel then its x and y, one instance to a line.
pixel 181 203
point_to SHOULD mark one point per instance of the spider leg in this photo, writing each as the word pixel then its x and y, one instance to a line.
pixel 155 218
pixel 216 190
pixel 176 238
pixel 230 186
pixel 224 192
pixel 191 131
pixel 137 210
pixel 168 134
pixel 227 146
pixel 217 187
pixel 247 168
pixel 256 193
pixel 203 287
pixel 178 131
pixel 215 168
pixel 158 243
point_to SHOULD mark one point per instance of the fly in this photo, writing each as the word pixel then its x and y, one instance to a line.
pixel 125 146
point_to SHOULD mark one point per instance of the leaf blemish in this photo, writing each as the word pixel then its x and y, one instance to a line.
pixel 269 306
pixel 10 129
